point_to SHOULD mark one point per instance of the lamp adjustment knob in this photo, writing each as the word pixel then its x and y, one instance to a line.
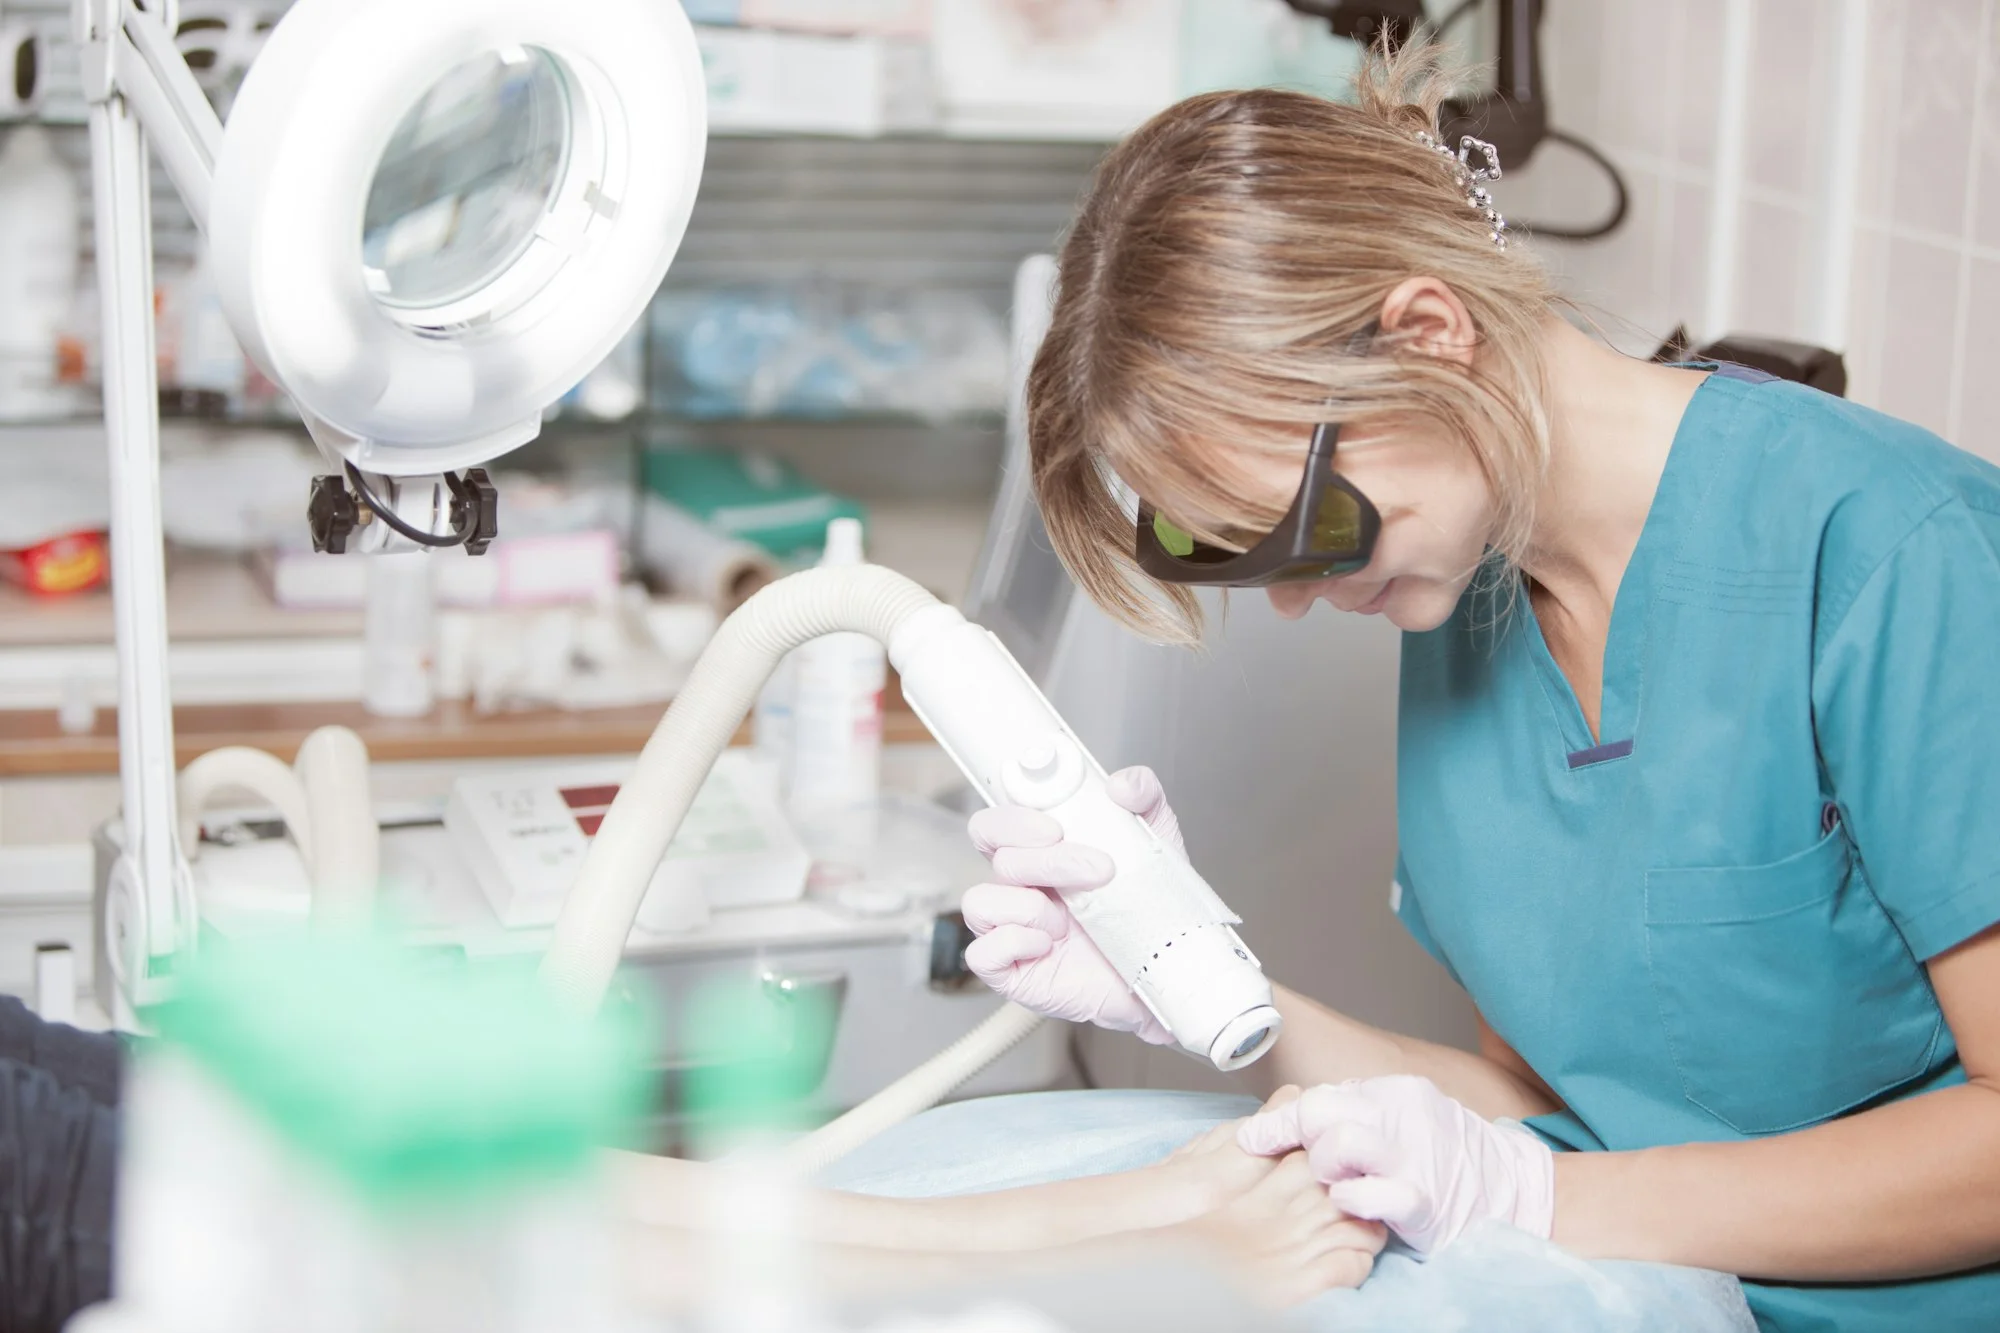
pixel 331 514
pixel 475 504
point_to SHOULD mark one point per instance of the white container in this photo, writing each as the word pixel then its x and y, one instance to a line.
pixel 397 635
pixel 525 835
pixel 38 264
pixel 762 82
pixel 836 769
pixel 196 341
pixel 771 719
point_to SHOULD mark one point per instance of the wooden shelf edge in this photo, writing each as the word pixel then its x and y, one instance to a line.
pixel 32 745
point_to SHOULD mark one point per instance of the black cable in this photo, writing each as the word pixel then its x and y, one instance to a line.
pixel 460 534
pixel 1619 204
pixel 1621 201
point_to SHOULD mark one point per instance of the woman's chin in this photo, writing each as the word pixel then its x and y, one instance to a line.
pixel 1420 609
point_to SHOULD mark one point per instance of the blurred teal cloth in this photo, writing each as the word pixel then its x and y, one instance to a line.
pixel 1495 1280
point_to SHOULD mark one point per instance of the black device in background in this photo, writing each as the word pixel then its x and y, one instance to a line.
pixel 1364 22
pixel 1802 363
pixel 1513 116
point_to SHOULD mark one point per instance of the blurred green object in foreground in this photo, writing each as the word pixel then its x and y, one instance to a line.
pixel 411 1078
pixel 760 1056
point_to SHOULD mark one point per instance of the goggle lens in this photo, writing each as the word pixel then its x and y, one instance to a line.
pixel 1337 524
pixel 1174 541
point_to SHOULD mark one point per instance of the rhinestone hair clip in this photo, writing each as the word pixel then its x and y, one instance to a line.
pixel 1472 179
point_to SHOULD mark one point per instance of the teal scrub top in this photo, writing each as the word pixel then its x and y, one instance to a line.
pixel 1709 922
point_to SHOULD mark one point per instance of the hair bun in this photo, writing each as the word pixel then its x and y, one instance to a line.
pixel 1404 87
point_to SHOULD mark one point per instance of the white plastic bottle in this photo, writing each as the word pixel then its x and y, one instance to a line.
pixel 206 356
pixel 38 265
pixel 771 720
pixel 836 768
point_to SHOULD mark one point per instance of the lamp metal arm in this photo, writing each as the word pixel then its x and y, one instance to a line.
pixel 136 82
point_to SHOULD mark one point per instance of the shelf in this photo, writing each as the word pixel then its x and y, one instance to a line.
pixel 32 745
pixel 210 597
pixel 990 419
pixel 981 131
pixel 569 425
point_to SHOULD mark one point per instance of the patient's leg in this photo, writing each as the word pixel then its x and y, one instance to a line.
pixel 1195 1180
pixel 1274 1232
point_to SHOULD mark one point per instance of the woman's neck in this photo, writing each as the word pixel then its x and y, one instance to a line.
pixel 1611 425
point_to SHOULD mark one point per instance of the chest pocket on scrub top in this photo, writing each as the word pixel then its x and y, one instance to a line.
pixel 1786 993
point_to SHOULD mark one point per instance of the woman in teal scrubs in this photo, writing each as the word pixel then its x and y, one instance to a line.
pixel 1699 760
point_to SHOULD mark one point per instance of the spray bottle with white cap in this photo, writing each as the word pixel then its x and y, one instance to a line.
pixel 835 769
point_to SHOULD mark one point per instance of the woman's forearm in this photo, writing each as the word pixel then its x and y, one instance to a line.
pixel 1322 1046
pixel 1906 1190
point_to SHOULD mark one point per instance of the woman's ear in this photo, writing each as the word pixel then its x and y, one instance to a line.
pixel 1429 317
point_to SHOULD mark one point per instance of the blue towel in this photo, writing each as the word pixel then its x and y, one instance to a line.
pixel 1495 1279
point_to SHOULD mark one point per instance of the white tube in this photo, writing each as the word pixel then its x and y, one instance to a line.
pixel 1157 921
pixel 345 859
pixel 918 1090
pixel 238 768
pixel 597 917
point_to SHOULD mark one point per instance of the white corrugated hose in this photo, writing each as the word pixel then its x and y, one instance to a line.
pixel 597 917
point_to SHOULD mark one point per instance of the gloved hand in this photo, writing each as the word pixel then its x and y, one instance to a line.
pixel 1398 1151
pixel 1030 949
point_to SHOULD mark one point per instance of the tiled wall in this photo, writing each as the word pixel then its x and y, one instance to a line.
pixel 1918 309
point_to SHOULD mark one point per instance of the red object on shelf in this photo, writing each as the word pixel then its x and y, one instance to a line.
pixel 73 562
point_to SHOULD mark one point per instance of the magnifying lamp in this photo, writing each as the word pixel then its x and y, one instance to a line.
pixel 426 222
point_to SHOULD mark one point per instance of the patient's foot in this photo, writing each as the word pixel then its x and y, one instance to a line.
pixel 1282 1240
pixel 1210 1171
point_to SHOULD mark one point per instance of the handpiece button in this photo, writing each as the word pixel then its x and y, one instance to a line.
pixel 1038 761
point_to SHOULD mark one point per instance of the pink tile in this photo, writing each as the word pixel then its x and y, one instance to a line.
pixel 1638 82
pixel 1920 309
pixel 1789 45
pixel 1698 87
pixel 1935 114
pixel 1867 297
pixel 1560 187
pixel 1573 65
pixel 1986 223
pixel 1771 248
pixel 1687 252
pixel 1979 391
pixel 1881 93
pixel 1614 278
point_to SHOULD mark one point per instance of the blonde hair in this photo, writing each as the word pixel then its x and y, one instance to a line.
pixel 1220 266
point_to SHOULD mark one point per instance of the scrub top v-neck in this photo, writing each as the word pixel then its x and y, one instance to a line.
pixel 1709 920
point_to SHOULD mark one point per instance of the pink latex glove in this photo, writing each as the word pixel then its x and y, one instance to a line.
pixel 1396 1150
pixel 1030 949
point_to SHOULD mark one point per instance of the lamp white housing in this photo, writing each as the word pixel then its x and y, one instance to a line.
pixel 454 373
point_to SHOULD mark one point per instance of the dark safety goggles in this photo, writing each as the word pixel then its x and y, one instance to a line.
pixel 1330 530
